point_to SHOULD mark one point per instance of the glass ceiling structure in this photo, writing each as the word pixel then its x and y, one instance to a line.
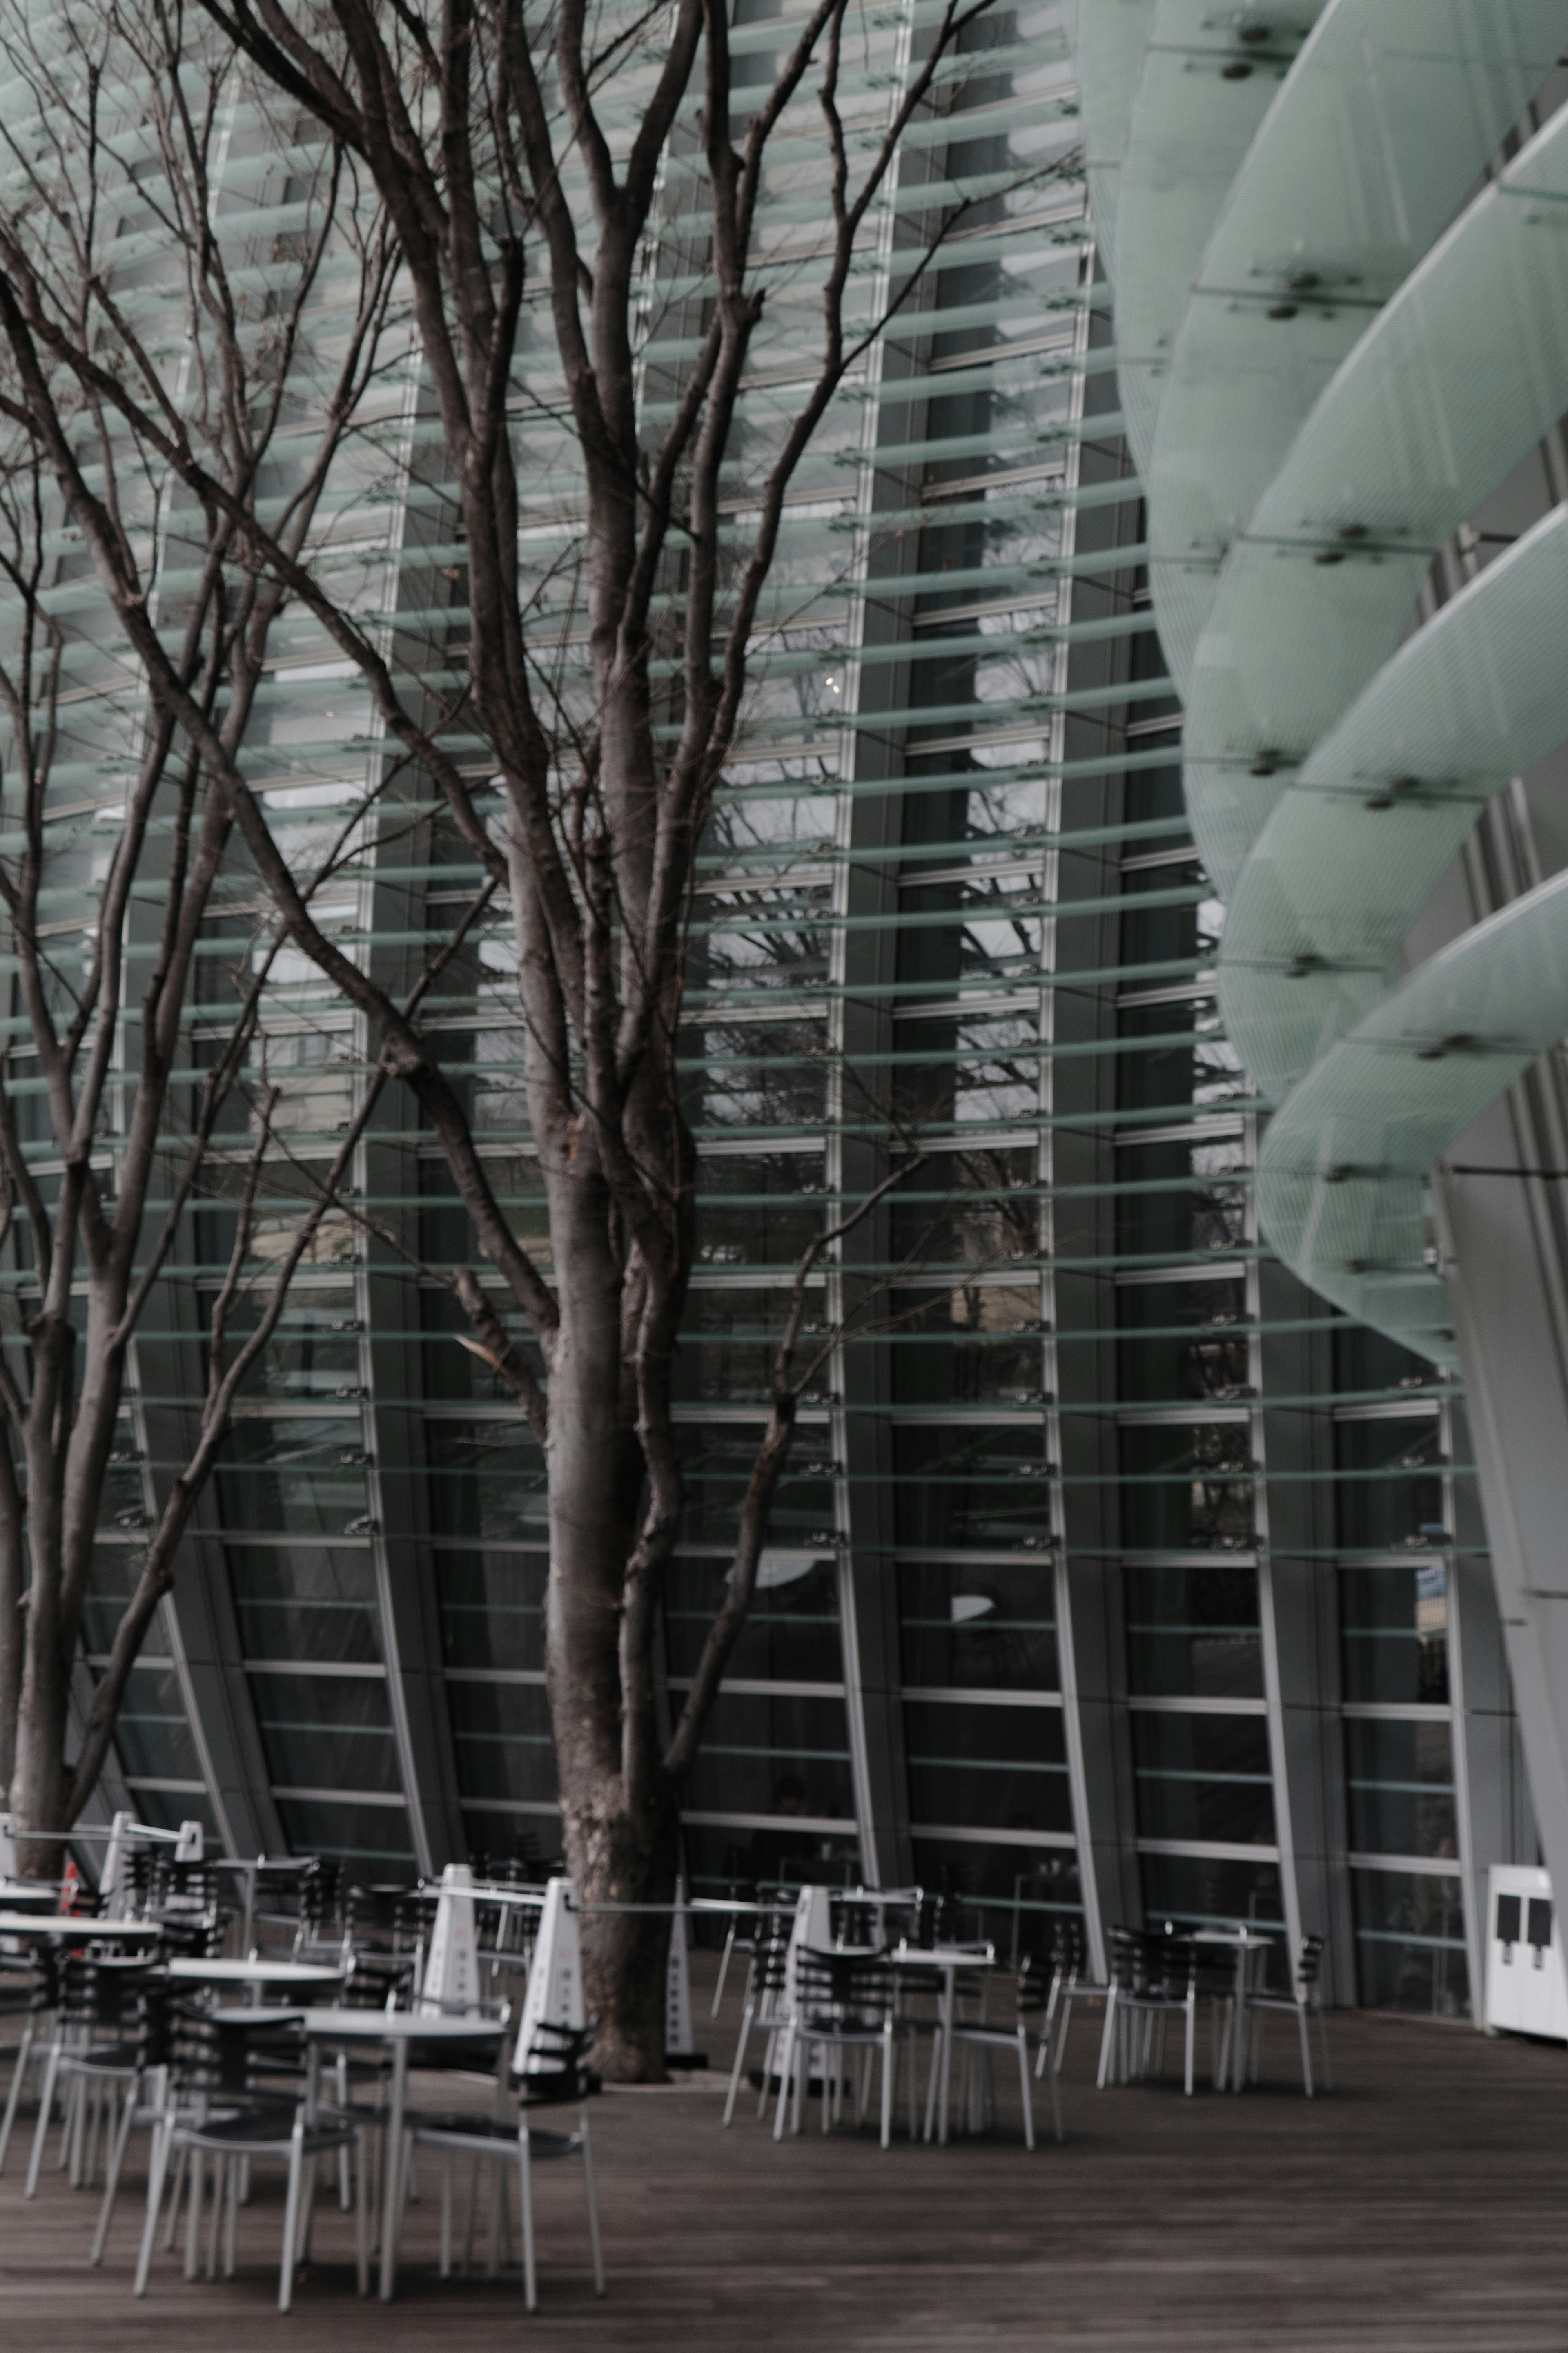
pixel 1120 1570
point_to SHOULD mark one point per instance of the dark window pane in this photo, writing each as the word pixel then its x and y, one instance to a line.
pixel 978 1629
pixel 1401 1788
pixel 1204 1776
pixel 1193 1633
pixel 988 1767
pixel 1394 1632
pixel 1410 1942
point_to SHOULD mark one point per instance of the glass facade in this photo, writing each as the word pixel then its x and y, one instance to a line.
pixel 1113 1573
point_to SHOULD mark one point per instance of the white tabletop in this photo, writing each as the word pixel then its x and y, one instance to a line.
pixel 255 2013
pixel 63 1924
pixel 345 2025
pixel 1233 1939
pixel 279 1973
pixel 944 1956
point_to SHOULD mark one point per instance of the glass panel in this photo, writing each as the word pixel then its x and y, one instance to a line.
pixel 719 1858
pixel 1204 1776
pixel 1410 1942
pixel 1388 1499
pixel 1400 1787
pixel 1179 1341
pixel 373 1840
pixel 505 1748
pixel 1193 1632
pixel 326 1732
pixel 1199 1891
pixel 977 1628
pixel 493 1607
pixel 1005 1893
pixel 988 1767
pixel 298 1476
pixel 772 1754
pixel 1394 1632
pixel 1186 1489
pixel 972 1488
pixel 305 1603
pixel 791 1632
pixel 150 1731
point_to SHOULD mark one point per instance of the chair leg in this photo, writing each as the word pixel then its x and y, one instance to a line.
pixel 1107 2039
pixel 770 2060
pixel 195 2191
pixel 1028 2099
pixel 231 2219
pixel 446 2272
pixel 18 2078
pixel 723 1973
pixel 41 2129
pixel 1061 2040
pixel 343 2151
pixel 181 2174
pixel 785 2062
pixel 111 2171
pixel 291 2219
pixel 889 2062
pixel 157 2162
pixel 740 2061
pixel 1190 2042
pixel 1306 2049
pixel 220 2187
pixel 1323 2046
pixel 525 2199
pixel 362 2217
pixel 598 2252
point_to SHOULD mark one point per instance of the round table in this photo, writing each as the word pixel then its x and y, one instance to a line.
pixel 65 1924
pixel 296 1977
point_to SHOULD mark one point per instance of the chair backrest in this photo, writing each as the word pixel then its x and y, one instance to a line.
pixel 845 1988
pixel 557 2066
pixel 229 2062
pixel 1309 1962
pixel 375 1979
pixel 100 1996
pixel 1033 1988
pixel 1068 1948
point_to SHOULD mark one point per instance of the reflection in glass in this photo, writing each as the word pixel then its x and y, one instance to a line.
pixel 1410 1942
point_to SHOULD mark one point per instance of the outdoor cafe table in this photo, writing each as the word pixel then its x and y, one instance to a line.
pixel 945 1960
pixel 288 1976
pixel 1244 1944
pixel 79 1932
pixel 396 2030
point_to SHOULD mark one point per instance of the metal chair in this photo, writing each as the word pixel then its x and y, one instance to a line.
pixel 95 2048
pixel 1152 1979
pixel 556 2077
pixel 1032 1994
pixel 1306 2001
pixel 1069 1984
pixel 767 2002
pixel 220 2103
pixel 32 1993
pixel 842 2002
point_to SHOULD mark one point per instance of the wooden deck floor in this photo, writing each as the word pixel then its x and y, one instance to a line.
pixel 1423 2208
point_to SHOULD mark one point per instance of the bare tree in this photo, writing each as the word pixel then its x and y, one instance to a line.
pixel 522 212
pixel 113 1119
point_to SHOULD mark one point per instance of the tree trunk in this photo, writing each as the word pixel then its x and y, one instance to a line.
pixel 621 1829
pixel 624 1855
